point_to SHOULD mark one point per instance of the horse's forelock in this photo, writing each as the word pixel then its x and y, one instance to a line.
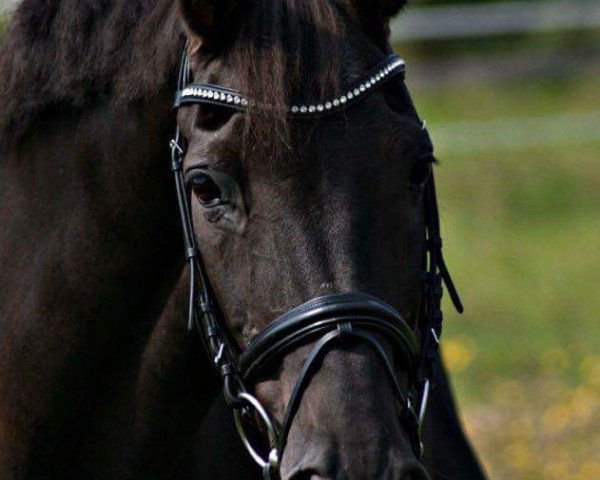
pixel 287 50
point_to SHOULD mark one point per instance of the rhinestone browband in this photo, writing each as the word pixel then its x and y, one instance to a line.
pixel 205 93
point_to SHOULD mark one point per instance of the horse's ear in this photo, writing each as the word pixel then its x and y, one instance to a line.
pixel 385 8
pixel 208 21
pixel 376 14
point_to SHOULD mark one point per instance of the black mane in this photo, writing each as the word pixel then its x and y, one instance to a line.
pixel 67 53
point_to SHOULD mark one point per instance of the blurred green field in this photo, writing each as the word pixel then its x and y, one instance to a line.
pixel 522 236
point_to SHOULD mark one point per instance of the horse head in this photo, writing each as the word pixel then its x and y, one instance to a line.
pixel 308 205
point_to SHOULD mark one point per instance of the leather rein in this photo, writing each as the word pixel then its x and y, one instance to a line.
pixel 327 320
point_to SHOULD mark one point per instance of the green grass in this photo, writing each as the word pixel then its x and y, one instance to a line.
pixel 578 93
pixel 522 238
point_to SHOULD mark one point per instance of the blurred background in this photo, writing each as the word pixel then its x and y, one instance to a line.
pixel 511 94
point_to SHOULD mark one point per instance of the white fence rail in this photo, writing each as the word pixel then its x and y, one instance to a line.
pixel 455 21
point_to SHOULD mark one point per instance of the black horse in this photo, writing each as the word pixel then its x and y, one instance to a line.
pixel 99 377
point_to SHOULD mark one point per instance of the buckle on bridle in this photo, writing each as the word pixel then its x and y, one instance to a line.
pixel 219 356
pixel 175 147
pixel 177 153
pixel 424 401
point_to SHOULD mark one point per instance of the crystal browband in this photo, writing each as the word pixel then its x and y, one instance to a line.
pixel 205 93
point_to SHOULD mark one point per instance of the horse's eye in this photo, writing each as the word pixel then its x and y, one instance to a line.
pixel 420 174
pixel 206 191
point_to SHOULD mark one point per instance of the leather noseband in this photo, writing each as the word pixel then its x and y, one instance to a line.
pixel 333 319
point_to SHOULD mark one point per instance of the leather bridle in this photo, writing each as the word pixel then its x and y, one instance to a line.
pixel 327 321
